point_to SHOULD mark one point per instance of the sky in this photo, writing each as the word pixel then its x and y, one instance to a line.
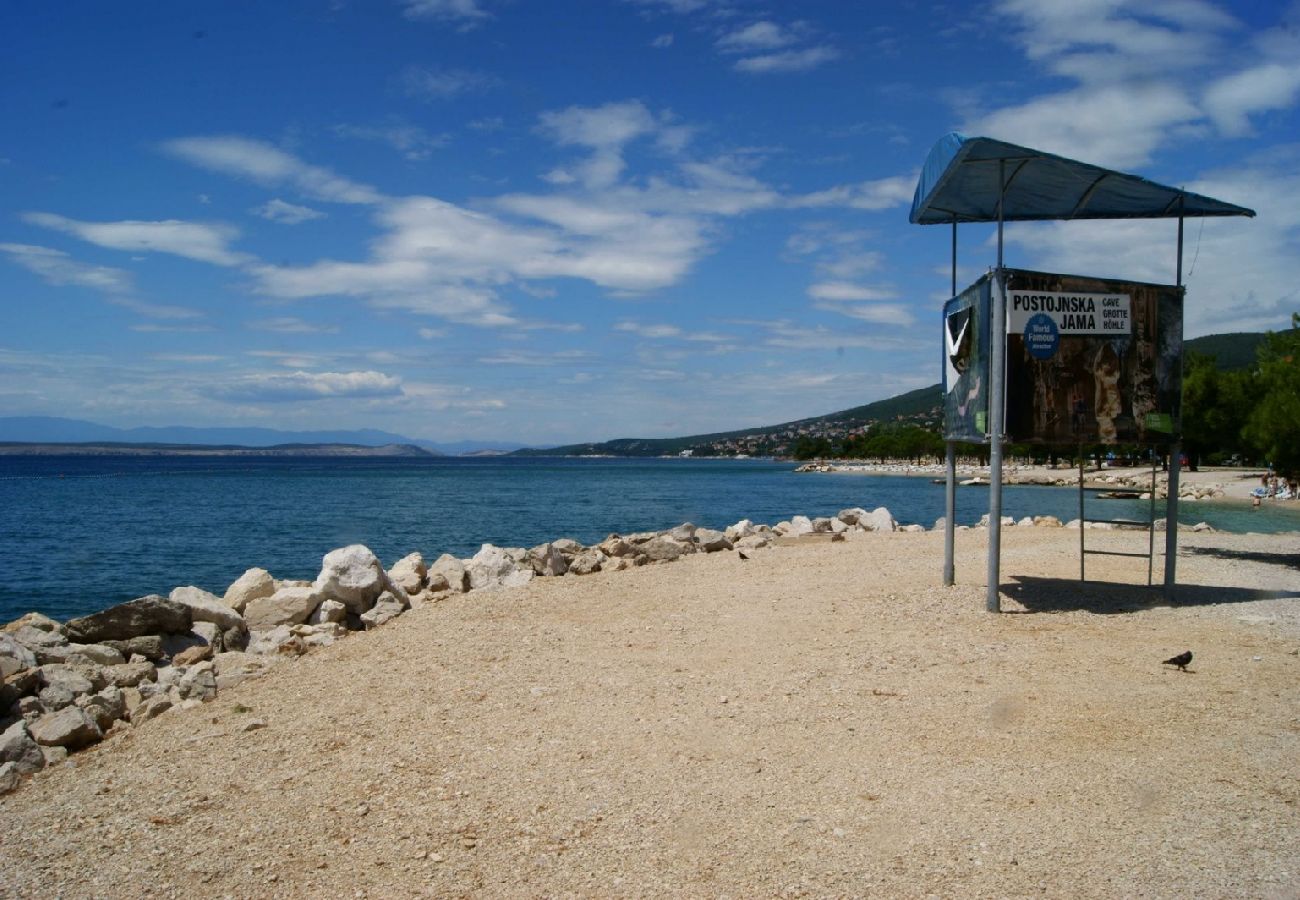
pixel 545 222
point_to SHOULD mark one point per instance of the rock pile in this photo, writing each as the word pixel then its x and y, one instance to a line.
pixel 68 685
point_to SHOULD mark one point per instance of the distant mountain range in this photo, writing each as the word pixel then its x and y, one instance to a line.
pixel 1231 351
pixel 55 430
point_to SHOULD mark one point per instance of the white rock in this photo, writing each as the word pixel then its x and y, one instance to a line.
pixel 879 519
pixel 711 541
pixel 409 573
pixel 547 560
pixel 799 526
pixel 852 516
pixel 353 576
pixel 199 682
pixel 912 528
pixel 328 611
pixel 14 656
pixel 207 607
pixel 252 585
pixel 68 727
pixel 452 571
pixel 287 606
pixel 18 747
pixel 9 778
pixel 683 533
pixel 838 526
pixel 494 567
pixel 741 529
pixel 386 608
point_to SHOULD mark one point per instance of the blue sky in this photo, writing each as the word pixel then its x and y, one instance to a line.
pixel 546 222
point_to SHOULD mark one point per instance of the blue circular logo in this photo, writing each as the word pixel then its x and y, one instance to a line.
pixel 1041 336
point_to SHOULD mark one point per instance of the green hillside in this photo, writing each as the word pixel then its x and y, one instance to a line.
pixel 1231 351
pixel 921 406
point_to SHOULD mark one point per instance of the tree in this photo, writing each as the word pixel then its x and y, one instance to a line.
pixel 1216 406
pixel 1274 424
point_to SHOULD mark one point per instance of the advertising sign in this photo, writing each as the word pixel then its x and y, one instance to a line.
pixel 1092 360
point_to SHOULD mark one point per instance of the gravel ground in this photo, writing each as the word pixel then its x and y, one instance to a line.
pixel 821 720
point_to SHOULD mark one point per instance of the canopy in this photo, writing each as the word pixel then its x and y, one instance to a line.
pixel 960 183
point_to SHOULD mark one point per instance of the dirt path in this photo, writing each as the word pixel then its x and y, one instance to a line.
pixel 820 720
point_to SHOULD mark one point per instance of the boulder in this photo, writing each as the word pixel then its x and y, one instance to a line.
pixel 254 584
pixel 821 525
pixel 287 606
pixel 741 529
pixel 754 541
pixel 18 747
pixel 587 562
pixel 14 656
pixel 328 611
pixel 547 560
pixel 144 615
pixel 799 526
pixel 1047 521
pixel 683 534
pixel 150 646
pixel 38 639
pixel 409 573
pixel 209 633
pixel 351 575
pixel 104 708
pixel 191 655
pixel 567 546
pixel 69 727
pixel 878 519
pixel 661 549
pixel 130 674
pixel 495 567
pixel 852 515
pixel 234 638
pixel 838 526
pixel 10 778
pixel 387 607
pixel 99 654
pixel 199 682
pixel 206 607
pixel 912 528
pixel 711 541
pixel 34 620
pixel 61 684
pixel 151 708
pixel 615 546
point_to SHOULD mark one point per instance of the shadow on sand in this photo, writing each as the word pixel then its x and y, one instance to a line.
pixel 1048 595
pixel 1287 560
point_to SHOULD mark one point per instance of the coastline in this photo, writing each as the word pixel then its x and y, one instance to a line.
pixel 722 725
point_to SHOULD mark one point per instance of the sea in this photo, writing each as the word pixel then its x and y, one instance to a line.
pixel 78 534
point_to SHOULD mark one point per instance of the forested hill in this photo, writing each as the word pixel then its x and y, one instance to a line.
pixel 921 407
pixel 1233 351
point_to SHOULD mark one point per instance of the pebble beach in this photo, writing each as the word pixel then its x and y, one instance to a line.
pixel 823 718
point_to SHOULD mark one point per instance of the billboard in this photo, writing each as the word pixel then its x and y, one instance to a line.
pixel 1088 360
pixel 1092 360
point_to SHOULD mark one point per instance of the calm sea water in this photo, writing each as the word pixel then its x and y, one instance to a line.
pixel 78 534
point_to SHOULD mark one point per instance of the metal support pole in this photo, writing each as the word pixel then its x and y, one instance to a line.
pixel 954 257
pixel 950 515
pixel 997 403
pixel 1175 454
pixel 1083 522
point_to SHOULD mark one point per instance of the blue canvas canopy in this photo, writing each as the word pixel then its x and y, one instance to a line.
pixel 960 182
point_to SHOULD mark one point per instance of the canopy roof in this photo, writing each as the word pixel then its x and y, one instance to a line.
pixel 959 182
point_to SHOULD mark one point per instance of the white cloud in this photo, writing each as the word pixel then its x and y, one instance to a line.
pixel 882 193
pixel 291 325
pixel 156 310
pixel 193 240
pixel 286 387
pixel 756 37
pixel 875 313
pixel 649 331
pixel 603 129
pixel 58 268
pixel 285 213
pixel 787 60
pixel 1231 100
pixel 261 162
pixel 529 358
pixel 789 336
pixel 662 41
pixel 843 290
pixel 465 13
pixel 413 142
pixel 444 84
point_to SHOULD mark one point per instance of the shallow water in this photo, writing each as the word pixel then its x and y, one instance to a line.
pixel 78 534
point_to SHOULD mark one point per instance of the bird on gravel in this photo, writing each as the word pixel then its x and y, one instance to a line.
pixel 1181 661
pixel 741 554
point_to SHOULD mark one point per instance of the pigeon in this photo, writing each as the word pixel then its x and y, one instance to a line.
pixel 741 554
pixel 1181 661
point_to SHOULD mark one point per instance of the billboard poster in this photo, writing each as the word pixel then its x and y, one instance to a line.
pixel 1092 360
pixel 966 363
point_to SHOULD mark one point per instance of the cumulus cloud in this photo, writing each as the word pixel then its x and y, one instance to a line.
pixel 413 142
pixel 291 325
pixel 194 240
pixel 266 164
pixel 287 387
pixel 1231 100
pixel 58 268
pixel 754 37
pixel 465 13
pixel 843 290
pixel 285 213
pixel 882 193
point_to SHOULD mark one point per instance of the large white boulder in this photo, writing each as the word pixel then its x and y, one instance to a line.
pixel 495 567
pixel 287 606
pixel 409 573
pixel 14 657
pixel 879 519
pixel 711 541
pixel 452 571
pixel 252 585
pixel 353 576
pixel 741 529
pixel 69 727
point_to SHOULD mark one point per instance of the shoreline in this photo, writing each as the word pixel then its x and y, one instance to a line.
pixel 722 725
